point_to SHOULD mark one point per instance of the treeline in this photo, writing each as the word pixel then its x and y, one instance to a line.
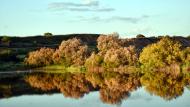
pixel 112 52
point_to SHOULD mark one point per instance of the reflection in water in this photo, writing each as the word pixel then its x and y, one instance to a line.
pixel 163 85
pixel 113 87
pixel 71 85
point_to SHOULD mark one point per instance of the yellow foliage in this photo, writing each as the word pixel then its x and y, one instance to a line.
pixel 165 52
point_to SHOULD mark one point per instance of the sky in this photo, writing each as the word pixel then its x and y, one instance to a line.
pixel 127 17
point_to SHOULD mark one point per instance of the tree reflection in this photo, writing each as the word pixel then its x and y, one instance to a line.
pixel 163 85
pixel 71 85
pixel 75 86
pixel 113 96
pixel 42 81
pixel 5 90
pixel 113 87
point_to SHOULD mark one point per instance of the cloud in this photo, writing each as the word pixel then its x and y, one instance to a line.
pixel 85 6
pixel 130 19
pixel 72 4
pixel 133 20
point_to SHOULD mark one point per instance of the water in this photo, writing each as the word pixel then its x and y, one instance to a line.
pixel 94 90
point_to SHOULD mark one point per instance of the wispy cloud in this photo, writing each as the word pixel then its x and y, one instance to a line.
pixel 85 6
pixel 111 19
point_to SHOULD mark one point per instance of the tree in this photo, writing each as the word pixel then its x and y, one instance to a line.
pixel 106 42
pixel 186 56
pixel 120 57
pixel 140 36
pixel 71 52
pixel 48 34
pixel 40 57
pixel 6 40
pixel 94 60
pixel 165 52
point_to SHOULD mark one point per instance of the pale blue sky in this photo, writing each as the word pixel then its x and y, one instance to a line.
pixel 127 17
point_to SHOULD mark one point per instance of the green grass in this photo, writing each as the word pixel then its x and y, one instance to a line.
pixel 61 69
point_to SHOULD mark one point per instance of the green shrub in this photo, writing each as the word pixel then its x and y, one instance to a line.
pixel 94 60
pixel 48 34
pixel 40 57
pixel 5 39
pixel 186 60
pixel 140 36
pixel 163 53
pixel 186 56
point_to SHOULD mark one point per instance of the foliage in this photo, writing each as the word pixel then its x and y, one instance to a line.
pixel 165 52
pixel 120 57
pixel 71 85
pixel 71 52
pixel 163 85
pixel 48 34
pixel 113 96
pixel 106 42
pixel 186 56
pixel 6 39
pixel 140 36
pixel 94 60
pixel 40 57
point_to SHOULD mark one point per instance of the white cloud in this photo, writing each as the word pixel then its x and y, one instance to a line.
pixel 85 6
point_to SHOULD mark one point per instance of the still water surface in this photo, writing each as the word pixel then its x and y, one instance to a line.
pixel 97 90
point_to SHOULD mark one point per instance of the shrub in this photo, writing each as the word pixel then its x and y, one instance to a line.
pixel 71 52
pixel 165 52
pixel 48 34
pixel 40 57
pixel 186 57
pixel 186 60
pixel 5 39
pixel 94 60
pixel 140 36
pixel 120 57
pixel 106 42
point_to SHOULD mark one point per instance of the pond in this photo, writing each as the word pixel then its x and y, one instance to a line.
pixel 109 89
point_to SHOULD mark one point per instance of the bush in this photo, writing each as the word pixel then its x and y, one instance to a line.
pixel 106 42
pixel 5 39
pixel 71 52
pixel 140 36
pixel 40 57
pixel 94 60
pixel 120 57
pixel 186 56
pixel 48 34
pixel 163 53
pixel 186 60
